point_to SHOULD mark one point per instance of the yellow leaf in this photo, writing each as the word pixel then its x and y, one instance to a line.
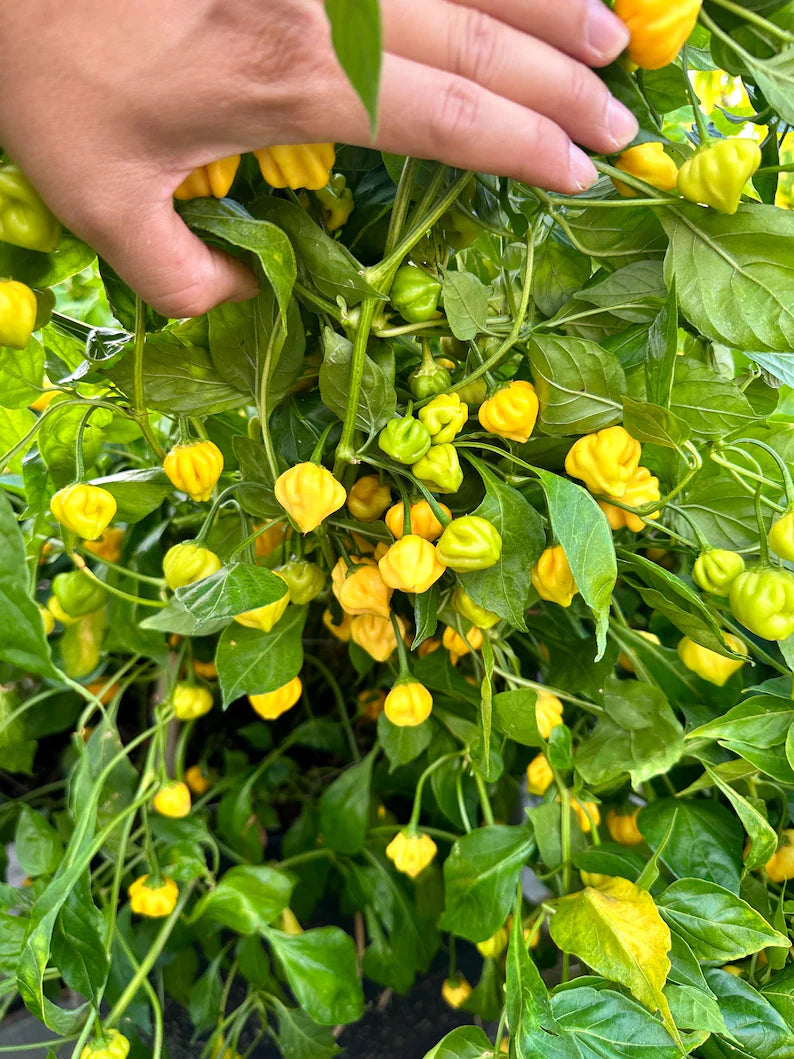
pixel 616 929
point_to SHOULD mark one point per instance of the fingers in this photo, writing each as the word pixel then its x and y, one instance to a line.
pixel 512 64
pixel 584 29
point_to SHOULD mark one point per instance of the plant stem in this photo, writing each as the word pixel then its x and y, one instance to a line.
pixel 339 698
pixel 139 411
pixel 402 202
pixel 344 450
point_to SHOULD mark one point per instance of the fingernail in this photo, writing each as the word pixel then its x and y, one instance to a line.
pixel 582 169
pixel 606 35
pixel 621 123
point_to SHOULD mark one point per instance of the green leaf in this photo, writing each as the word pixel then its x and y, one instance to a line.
pixel 251 662
pixel 14 426
pixel 704 843
pixel 320 966
pixel 514 714
pixel 46 270
pixel 763 837
pixel 559 272
pixel 753 1023
pixel 17 750
pixel 344 808
pixel 465 303
pixel 580 385
pixel 356 37
pixel 57 440
pixel 377 400
pixel 694 1010
pixel 300 1037
pixel 78 942
pixel 480 876
pixel 716 924
pixel 230 591
pixel 762 720
pixel 653 425
pixel 709 403
pixel 22 639
pixel 137 493
pixel 746 254
pixel 21 374
pixel 402 744
pixel 581 527
pixel 466 1042
pixel 38 845
pixel 603 1024
pixel 246 899
pixel 662 350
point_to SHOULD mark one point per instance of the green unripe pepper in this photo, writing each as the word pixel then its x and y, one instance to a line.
pixel 78 593
pixel 305 581
pixel 405 439
pixel 717 172
pixel 781 536
pixel 414 294
pixel 427 381
pixel 24 219
pixel 763 601
pixel 439 469
pixel 473 393
pixel 716 569
pixel 469 543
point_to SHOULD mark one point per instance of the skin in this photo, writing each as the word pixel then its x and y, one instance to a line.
pixel 108 107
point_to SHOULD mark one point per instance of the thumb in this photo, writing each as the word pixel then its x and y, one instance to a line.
pixel 178 275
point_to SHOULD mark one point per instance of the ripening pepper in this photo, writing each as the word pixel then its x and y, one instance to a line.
pixel 86 510
pixel 196 779
pixel 411 564
pixel 445 416
pixel 304 580
pixel 780 865
pixel 300 165
pixel 625 660
pixel 18 309
pixel 360 589
pixel 659 29
pixel 458 645
pixel 708 665
pixel 265 617
pixel 173 799
pixel 190 701
pixel 548 713
pixel 411 851
pixel 473 393
pixel 47 620
pixel 212 179
pixel 222 1050
pixel 266 542
pixel 494 946
pixel 552 577
pixel 641 489
pixel 110 1045
pixel 336 199
pixel 56 611
pixel 469 543
pixel 587 814
pixel 762 600
pixel 427 647
pixel 423 521
pixel 24 219
pixel 622 827
pixel 539 775
pixel 271 704
pixel 78 593
pixel 205 670
pixel 340 631
pixel 471 611
pixel 439 469
pixel 456 991
pixel 309 493
pixel 716 569
pixel 408 704
pixel 103 691
pixel 648 162
pixel 414 294
pixel 716 173
pixel 781 536
pixel 107 546
pixel 371 702
pixel 194 468
pixel 188 562
pixel 605 461
pixel 368 498
pixel 511 412
pixel 405 439
pixel 153 901
pixel 376 635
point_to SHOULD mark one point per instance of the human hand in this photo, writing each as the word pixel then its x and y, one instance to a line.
pixel 109 107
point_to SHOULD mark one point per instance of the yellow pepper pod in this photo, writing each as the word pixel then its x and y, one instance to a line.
pixel 337 202
pixel 587 814
pixel 110 1045
pixel 342 631
pixel 265 617
pixel 548 713
pixel 198 782
pixel 625 662
pixel 368 498
pixel 411 565
pixel 205 670
pixel 539 775
pixel 641 489
pixel 622 827
pixel 86 510
pixel 780 865
pixel 456 991
pixel 188 562
pixel 494 946
pixel 423 522
pixel 605 461
pixel 376 635
pixel 659 29
pixel 267 542
pixel 48 619
pixel 648 162
pixel 511 412
pixel 18 310
pixel 173 799
pixel 552 577
pixel 153 901
pixel 709 665
pixel 444 417
pixel 57 612
pixel 471 611
pixel 309 493
pixel 190 701
pixel 716 173
pixel 195 468
pixel 427 647
pixel 302 165
pixel 371 702
pixel 211 180
pixel 411 851
pixel 360 589
pixel 272 704
pixel 457 645
pixel 408 704
pixel 107 546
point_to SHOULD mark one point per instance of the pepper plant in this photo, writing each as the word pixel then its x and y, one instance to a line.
pixel 463 551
